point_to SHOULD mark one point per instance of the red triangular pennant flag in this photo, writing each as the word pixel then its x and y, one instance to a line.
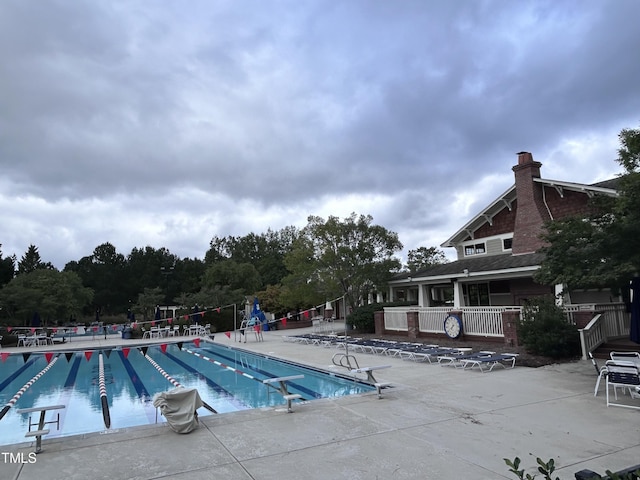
pixel 218 309
pixel 228 334
pixel 33 330
pixel 88 354
pixel 69 356
pixel 4 356
pixel 48 356
pixel 54 330
pixel 306 314
pixel 125 352
pixel 197 342
pixel 163 347
pixel 284 322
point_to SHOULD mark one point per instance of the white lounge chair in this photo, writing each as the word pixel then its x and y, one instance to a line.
pixel 623 375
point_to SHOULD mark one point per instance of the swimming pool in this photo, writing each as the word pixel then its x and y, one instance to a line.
pixel 228 379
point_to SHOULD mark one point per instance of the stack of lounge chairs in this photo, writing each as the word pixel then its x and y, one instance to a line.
pixel 462 358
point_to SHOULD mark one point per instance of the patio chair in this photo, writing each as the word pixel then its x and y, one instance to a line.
pixel 490 361
pixel 455 358
pixel 633 357
pixel 600 371
pixel 625 376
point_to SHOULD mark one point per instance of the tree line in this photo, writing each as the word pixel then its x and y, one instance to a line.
pixel 288 269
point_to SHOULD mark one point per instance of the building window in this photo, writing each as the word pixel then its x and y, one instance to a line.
pixel 476 294
pixel 476 249
pixel 507 243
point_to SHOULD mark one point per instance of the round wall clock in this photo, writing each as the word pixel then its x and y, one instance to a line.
pixel 453 326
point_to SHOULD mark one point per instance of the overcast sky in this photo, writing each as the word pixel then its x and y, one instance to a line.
pixel 166 123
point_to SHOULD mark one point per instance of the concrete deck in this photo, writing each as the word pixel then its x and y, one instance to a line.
pixel 434 423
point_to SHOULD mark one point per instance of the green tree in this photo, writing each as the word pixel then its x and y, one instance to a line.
pixel 265 251
pixel 102 271
pixel 31 261
pixel 147 302
pixel 601 248
pixel 234 275
pixel 351 257
pixel 424 257
pixel 54 295
pixel 7 268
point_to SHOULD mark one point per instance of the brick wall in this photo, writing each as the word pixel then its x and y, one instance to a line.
pixel 531 212
pixel 503 222
pixel 570 203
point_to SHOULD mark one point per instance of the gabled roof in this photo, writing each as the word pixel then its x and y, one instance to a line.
pixel 607 187
pixel 484 265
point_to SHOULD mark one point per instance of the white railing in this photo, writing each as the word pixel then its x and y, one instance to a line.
pixel 592 336
pixel 481 321
pixel 395 318
pixel 487 321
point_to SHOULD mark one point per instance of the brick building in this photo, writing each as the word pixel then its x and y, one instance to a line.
pixel 497 249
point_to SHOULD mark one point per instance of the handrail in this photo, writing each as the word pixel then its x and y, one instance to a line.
pixel 591 336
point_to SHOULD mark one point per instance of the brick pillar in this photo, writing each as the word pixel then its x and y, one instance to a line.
pixel 510 320
pixel 413 325
pixel 583 317
pixel 378 321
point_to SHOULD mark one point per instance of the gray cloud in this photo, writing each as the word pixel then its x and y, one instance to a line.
pixel 225 118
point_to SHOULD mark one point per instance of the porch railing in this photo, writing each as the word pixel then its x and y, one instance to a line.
pixel 612 322
pixel 483 321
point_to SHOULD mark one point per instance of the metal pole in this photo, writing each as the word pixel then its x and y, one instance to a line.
pixel 235 323
pixel 346 344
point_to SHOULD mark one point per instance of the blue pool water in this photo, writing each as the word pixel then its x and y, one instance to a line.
pixel 132 381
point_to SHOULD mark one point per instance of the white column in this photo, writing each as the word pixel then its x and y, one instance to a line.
pixel 458 295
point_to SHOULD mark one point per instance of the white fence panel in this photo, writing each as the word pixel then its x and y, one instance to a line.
pixel 395 318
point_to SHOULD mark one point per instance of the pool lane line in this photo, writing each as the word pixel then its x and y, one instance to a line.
pixel 103 393
pixel 16 374
pixel 307 391
pixel 215 386
pixel 220 364
pixel 26 387
pixel 173 381
pixel 296 385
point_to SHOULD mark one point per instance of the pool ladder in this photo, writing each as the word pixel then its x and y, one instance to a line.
pixel 345 360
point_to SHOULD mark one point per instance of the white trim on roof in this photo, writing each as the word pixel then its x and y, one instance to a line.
pixel 506 201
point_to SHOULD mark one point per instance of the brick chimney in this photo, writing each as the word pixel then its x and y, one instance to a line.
pixel 531 212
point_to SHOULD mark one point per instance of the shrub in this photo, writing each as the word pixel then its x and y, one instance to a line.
pixel 544 330
pixel 547 468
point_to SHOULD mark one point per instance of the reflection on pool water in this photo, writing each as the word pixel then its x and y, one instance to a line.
pixel 227 379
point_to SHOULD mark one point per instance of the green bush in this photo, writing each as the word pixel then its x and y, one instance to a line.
pixel 547 468
pixel 544 330
pixel 362 317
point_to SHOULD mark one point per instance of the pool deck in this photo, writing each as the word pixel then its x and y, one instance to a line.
pixel 435 422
